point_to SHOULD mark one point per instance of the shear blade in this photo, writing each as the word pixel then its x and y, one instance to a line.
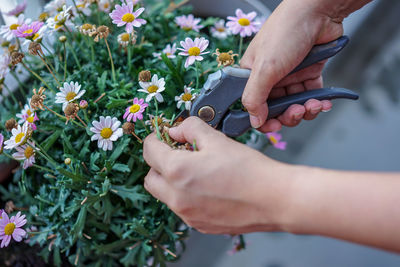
pixel 182 116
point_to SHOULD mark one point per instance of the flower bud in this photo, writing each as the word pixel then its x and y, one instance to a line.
pixel 128 128
pixel 62 38
pixel 144 76
pixel 83 104
pixel 67 161
pixel 11 124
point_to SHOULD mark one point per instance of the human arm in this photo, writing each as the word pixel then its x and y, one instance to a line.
pixel 228 188
pixel 282 43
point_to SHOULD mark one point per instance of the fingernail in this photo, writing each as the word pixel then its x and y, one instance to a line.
pixel 298 116
pixel 327 110
pixel 315 111
pixel 255 122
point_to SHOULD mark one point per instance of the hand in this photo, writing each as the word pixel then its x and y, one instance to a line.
pixel 225 187
pixel 282 43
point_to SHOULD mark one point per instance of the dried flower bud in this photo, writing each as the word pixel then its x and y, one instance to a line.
pixel 226 58
pixel 67 161
pixel 83 104
pixel 12 48
pixel 87 29
pixel 34 48
pixel 101 32
pixel 71 110
pixel 128 128
pixel 144 76
pixel 9 207
pixel 62 38
pixel 16 57
pixel 11 124
pixel 38 99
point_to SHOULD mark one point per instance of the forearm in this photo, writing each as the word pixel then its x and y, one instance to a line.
pixel 353 206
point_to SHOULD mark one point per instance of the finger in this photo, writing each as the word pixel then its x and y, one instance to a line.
pixel 272 125
pixel 157 186
pixel 292 116
pixel 326 105
pixel 192 130
pixel 310 73
pixel 313 108
pixel 156 152
pixel 277 92
pixel 314 83
pixel 295 88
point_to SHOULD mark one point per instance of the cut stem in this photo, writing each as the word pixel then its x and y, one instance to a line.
pixel 111 60
pixel 37 76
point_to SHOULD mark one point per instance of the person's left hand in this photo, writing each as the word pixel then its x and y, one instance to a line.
pixel 224 187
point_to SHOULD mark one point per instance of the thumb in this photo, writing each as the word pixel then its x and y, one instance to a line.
pixel 193 130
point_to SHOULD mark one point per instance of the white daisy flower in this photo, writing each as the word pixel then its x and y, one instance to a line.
pixel 26 153
pixel 5 61
pixel 125 38
pixel 104 5
pixel 28 115
pixel 106 131
pixel 83 7
pixel 19 136
pixel 219 30
pixel 69 93
pixel 7 31
pixel 186 98
pixel 58 21
pixel 55 6
pixel 153 88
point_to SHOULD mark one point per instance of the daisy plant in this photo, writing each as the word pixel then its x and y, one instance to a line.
pixel 101 76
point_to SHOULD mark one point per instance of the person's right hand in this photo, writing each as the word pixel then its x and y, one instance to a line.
pixel 282 43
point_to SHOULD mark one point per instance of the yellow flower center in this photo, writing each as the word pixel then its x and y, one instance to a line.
pixel 186 28
pixel 80 6
pixel 128 17
pixel 106 133
pixel 43 16
pixel 152 89
pixel 273 140
pixel 29 152
pixel 19 137
pixel 28 112
pixel 194 51
pixel 221 29
pixel 9 229
pixel 244 22
pixel 225 57
pixel 30 119
pixel 56 17
pixel 29 31
pixel 106 5
pixel 134 108
pixel 14 26
pixel 87 26
pixel 187 97
pixel 70 96
pixel 125 37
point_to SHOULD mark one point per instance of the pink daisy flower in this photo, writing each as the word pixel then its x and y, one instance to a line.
pixel 28 30
pixel 124 15
pixel 19 9
pixel 243 24
pixel 193 50
pixel 169 51
pixel 135 112
pixel 26 153
pixel 11 228
pixel 188 23
pixel 28 115
pixel 275 139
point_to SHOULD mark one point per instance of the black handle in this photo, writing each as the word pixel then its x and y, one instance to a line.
pixel 237 122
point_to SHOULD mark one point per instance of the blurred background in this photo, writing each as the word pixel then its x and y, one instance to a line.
pixel 361 135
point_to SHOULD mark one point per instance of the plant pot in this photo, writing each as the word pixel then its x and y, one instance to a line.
pixel 224 8
pixel 5 170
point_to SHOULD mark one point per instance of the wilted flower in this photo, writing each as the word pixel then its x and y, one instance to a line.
pixel 275 139
pixel 26 153
pixel 7 31
pixel 219 30
pixel 153 88
pixel 135 111
pixel 28 115
pixel 11 124
pixel 144 76
pixel 35 49
pixel 186 98
pixel 69 93
pixel 19 136
pixel 16 57
pixel 169 51
pixel 11 228
pixel 100 33
pixel 193 50
pixel 225 59
pixel 87 29
pixel 38 99
pixel 188 23
pixel 243 24
pixel 106 131
pixel 124 15
pixel 19 9
pixel 71 111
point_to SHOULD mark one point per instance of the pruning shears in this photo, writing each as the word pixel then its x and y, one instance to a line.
pixel 225 87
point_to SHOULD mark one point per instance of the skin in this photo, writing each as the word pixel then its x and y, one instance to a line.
pixel 227 188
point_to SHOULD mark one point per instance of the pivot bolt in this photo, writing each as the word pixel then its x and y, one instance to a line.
pixel 206 113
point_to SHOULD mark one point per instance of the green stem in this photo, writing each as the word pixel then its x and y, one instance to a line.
pixel 75 56
pixel 90 43
pixel 63 117
pixel 10 93
pixel 65 62
pixel 44 168
pixel 37 76
pixel 145 127
pixel 111 60
pixel 197 75
pixel 129 58
pixel 21 85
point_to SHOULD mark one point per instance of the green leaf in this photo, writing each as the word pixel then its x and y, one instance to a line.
pixel 101 82
pixel 119 149
pixel 77 229
pixel 133 194
pixel 139 228
pixel 121 168
pixel 116 103
pixel 49 142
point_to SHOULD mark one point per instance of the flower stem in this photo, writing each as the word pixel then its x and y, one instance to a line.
pixel 111 60
pixel 145 127
pixel 10 93
pixel 197 75
pixel 63 117
pixel 75 56
pixel 37 76
pixel 21 85
pixel 49 69
pixel 240 47
pixel 65 62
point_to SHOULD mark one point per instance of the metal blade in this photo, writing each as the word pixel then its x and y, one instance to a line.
pixel 181 117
